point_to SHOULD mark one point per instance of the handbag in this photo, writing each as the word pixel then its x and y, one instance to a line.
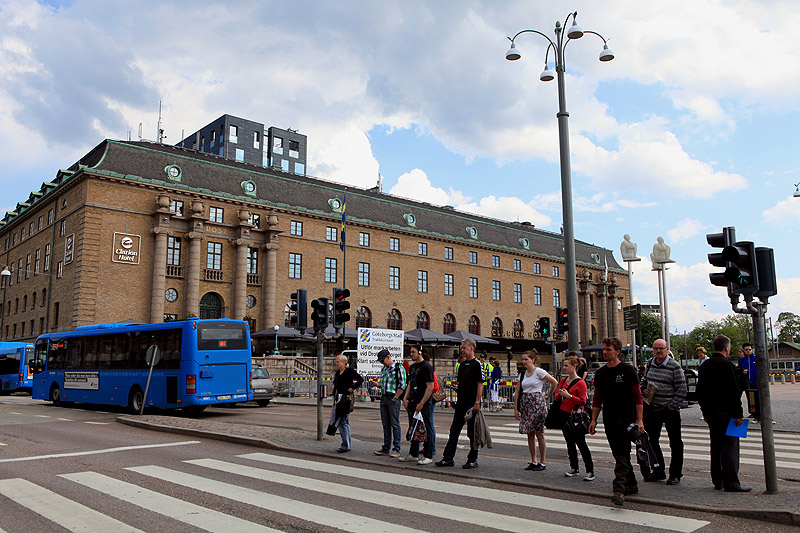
pixel 438 391
pixel 577 422
pixel 556 418
pixel 417 432
pixel 352 399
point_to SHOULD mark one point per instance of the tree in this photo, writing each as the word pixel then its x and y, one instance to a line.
pixel 649 329
pixel 788 326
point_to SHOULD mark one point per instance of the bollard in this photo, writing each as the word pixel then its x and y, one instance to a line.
pixel 794 379
pixel 772 379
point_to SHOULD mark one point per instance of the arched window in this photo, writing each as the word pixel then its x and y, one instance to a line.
pixel 474 325
pixel 448 324
pixel 210 306
pixel 44 296
pixel 363 317
pixel 423 320
pixel 33 301
pixel 497 327
pixel 519 329
pixel 394 320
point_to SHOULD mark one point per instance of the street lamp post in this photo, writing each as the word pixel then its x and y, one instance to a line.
pixel 558 46
pixel 5 275
pixel 276 351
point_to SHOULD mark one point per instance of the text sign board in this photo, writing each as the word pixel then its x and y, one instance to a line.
pixel 126 248
pixel 371 341
pixel 656 309
pixel 82 380
pixel 631 315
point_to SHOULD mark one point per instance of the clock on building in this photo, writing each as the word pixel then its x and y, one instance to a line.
pixel 171 295
pixel 251 301
pixel 249 187
pixel 173 172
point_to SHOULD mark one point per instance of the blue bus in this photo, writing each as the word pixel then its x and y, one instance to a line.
pixel 202 363
pixel 15 374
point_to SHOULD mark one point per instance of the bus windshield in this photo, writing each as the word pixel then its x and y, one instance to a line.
pixel 221 336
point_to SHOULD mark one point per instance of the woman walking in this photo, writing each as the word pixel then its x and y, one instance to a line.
pixel 572 392
pixel 345 381
pixel 530 407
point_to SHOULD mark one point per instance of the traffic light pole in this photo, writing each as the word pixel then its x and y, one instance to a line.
pixel 320 385
pixel 765 403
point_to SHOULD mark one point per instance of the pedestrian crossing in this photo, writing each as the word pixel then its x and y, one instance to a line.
pixel 278 491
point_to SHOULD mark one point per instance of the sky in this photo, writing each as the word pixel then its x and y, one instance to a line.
pixel 692 127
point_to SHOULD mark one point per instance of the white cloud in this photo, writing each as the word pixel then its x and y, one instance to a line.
pixel 686 228
pixel 784 214
pixel 506 208
pixel 416 186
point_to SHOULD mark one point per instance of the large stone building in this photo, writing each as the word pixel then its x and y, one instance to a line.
pixel 146 232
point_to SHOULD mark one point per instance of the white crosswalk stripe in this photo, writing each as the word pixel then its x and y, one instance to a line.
pixel 56 508
pixel 600 512
pixel 189 513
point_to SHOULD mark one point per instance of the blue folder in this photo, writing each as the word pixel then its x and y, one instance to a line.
pixel 737 431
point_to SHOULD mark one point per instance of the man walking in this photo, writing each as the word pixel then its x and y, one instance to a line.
pixel 417 399
pixel 665 387
pixel 393 384
pixel 617 392
pixel 747 364
pixel 721 401
pixel 470 390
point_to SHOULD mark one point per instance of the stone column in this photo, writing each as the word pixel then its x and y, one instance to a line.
pixel 194 261
pixel 159 268
pixel 584 323
pixel 612 301
pixel 602 321
pixel 269 287
pixel 240 266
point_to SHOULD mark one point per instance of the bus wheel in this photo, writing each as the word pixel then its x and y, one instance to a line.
pixel 262 403
pixel 135 401
pixel 55 395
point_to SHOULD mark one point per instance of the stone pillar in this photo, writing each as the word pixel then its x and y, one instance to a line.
pixel 612 301
pixel 602 321
pixel 269 287
pixel 159 269
pixel 194 261
pixel 584 323
pixel 240 279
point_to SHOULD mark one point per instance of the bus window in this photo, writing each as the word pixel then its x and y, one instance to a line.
pixel 221 336
pixel 39 357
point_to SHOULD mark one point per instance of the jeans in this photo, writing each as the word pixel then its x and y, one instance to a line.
pixel 455 432
pixel 432 429
pixel 724 453
pixel 620 442
pixel 344 431
pixel 574 442
pixel 390 418
pixel 427 417
pixel 671 419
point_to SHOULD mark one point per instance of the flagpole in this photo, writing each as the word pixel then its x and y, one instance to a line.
pixel 343 244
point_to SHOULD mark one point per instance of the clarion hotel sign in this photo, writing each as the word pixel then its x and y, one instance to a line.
pixel 126 248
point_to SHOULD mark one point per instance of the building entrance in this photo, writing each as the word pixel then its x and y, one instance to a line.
pixel 210 306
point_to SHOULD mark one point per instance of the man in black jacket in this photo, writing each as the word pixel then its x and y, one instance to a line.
pixel 720 401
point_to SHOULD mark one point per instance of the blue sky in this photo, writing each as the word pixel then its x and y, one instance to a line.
pixel 692 127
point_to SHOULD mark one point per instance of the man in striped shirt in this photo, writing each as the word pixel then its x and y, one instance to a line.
pixel 664 390
pixel 393 384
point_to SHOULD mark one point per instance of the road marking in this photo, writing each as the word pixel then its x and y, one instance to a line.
pixel 95 452
pixel 189 513
pixel 64 419
pixel 42 416
pixel 64 512
pixel 347 521
pixel 455 513
pixel 3 444
pixel 98 423
pixel 527 500
pixel 14 413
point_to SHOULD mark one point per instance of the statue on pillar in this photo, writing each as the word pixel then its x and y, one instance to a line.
pixel 628 249
pixel 661 252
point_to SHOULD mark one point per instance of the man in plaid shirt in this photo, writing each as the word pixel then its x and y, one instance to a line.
pixel 393 384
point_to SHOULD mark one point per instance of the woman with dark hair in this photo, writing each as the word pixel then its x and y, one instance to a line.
pixel 530 406
pixel 572 392
pixel 345 381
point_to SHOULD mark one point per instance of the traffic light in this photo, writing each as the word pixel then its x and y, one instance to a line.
pixel 298 317
pixel 721 240
pixel 767 283
pixel 562 320
pixel 320 314
pixel 544 326
pixel 340 306
pixel 743 269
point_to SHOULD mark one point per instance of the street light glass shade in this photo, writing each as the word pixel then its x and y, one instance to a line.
pixel 606 54
pixel 796 195
pixel 6 273
pixel 546 75
pixel 513 54
pixel 575 32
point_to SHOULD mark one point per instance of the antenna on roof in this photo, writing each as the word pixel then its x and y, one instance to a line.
pixel 380 183
pixel 129 135
pixel 160 132
pixel 140 131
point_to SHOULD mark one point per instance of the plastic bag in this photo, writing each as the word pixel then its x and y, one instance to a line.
pixel 417 432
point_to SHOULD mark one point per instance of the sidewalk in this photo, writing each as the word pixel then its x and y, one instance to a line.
pixel 693 493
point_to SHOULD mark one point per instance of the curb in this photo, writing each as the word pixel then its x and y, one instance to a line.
pixel 772 516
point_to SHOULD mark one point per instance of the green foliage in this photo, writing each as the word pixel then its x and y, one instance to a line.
pixel 788 325
pixel 649 329
pixel 738 328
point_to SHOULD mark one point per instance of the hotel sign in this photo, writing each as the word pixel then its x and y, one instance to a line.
pixel 126 248
pixel 69 248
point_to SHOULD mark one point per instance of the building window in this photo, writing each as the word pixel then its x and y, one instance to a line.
pixel 294 149
pixel 330 269
pixel 517 293
pixel 363 317
pixel 496 261
pixel 537 268
pixel 39 226
pixel 30 229
pixel 22 234
pixel 14 239
pixel 215 214
pixel 394 244
pixel 474 325
pixel 473 257
pixel 277 145
pixel 59 269
pixel 233 135
pixel 394 278
pixel 448 324
pixel 46 257
pixel 473 287
pixel 537 296
pixel 33 301
pixel 496 290
pixel 295 266
pixel 497 327
pixel 591 303
pixel 254 220
pixel 44 297
pixel 363 274
pixel 296 228
pixel 556 298
pixel 422 281
pixel 28 266
pixel 24 303
pixel 423 320
pixel 448 253
pixel 422 249
pixel 252 260
pixel 37 262
pixel 448 284
pixel 331 234
pixel 49 217
pixel 519 329
pixel 176 207
pixel 555 271
pixel 240 155
pixel 394 320
pixel 517 264
pixel 55 314
pixel 300 168
pixel 19 270
pixel 214 256
pixel 63 229
pixel 256 142
pixel 173 251
pixel 363 239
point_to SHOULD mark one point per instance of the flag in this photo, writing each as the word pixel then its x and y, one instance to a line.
pixel 344 223
pixel 605 260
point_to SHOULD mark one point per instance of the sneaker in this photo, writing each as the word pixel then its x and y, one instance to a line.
pixel 380 452
pixel 618 498
pixel 445 462
pixel 589 476
pixel 531 466
pixel 539 467
pixel 394 454
pixel 655 476
pixel 572 473
pixel 409 459
pixel 425 461
pixel 469 466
